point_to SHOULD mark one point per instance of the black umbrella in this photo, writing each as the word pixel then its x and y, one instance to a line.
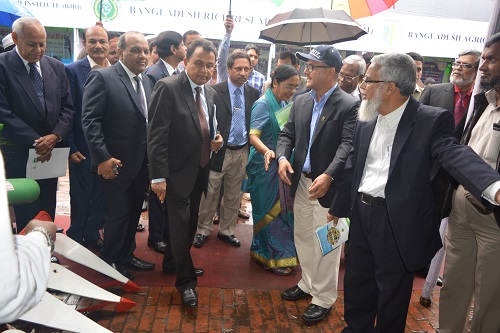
pixel 312 26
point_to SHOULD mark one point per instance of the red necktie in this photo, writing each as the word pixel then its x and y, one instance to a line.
pixel 205 147
pixel 459 110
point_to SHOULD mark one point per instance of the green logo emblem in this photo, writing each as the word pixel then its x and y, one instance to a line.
pixel 106 10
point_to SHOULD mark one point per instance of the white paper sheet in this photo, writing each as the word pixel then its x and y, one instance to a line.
pixel 55 167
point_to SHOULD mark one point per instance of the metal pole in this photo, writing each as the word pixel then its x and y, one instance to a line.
pixel 100 11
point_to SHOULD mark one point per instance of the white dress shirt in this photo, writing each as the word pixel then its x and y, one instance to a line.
pixel 378 159
pixel 26 264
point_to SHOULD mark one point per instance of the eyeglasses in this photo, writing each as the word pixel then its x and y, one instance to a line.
pixel 311 68
pixel 367 82
pixel 347 78
pixel 289 87
pixel 462 66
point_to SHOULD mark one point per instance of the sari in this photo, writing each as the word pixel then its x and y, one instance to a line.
pixel 272 205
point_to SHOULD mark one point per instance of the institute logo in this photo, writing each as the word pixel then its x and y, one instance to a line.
pixel 106 10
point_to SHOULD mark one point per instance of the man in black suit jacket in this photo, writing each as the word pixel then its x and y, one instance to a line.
pixel 33 116
pixel 171 51
pixel 472 242
pixel 181 137
pixel 385 190
pixel 319 128
pixel 227 167
pixel 87 196
pixel 114 121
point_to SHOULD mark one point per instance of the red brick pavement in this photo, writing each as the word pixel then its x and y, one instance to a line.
pixel 159 309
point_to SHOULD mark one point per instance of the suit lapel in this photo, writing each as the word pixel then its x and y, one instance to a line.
pixel 24 80
pixel 210 97
pixel 226 98
pixel 403 132
pixel 366 131
pixel 130 88
pixel 85 68
pixel 187 92
pixel 248 106
pixel 163 68
pixel 306 116
pixel 326 113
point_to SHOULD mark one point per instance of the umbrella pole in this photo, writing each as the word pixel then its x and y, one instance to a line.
pixel 100 11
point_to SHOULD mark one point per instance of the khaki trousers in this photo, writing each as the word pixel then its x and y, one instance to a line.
pixel 231 177
pixel 319 273
pixel 471 271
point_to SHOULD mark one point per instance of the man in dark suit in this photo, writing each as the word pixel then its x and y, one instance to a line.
pixel 181 138
pixel 87 197
pixel 171 51
pixel 227 167
pixel 471 268
pixel 385 190
pixel 114 120
pixel 319 128
pixel 35 110
pixel 455 97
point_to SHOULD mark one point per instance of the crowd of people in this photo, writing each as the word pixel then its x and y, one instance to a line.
pixel 196 127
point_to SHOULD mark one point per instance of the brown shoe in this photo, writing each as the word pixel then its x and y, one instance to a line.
pixel 425 302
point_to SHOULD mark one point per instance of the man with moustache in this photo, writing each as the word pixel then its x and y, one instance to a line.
pixel 319 129
pixel 87 197
pixel 35 110
pixel 181 137
pixel 471 268
pixel 113 47
pixel 227 167
pixel 385 190
pixel 351 74
pixel 453 96
pixel 114 119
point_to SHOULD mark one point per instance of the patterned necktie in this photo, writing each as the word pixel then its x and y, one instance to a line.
pixel 37 80
pixel 205 147
pixel 459 110
pixel 142 102
pixel 238 117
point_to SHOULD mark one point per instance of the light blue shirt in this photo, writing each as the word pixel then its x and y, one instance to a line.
pixel 316 111
pixel 235 124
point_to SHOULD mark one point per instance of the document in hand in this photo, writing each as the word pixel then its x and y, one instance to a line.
pixel 331 237
pixel 55 167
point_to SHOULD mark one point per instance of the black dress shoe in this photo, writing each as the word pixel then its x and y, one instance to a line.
pixel 294 293
pixel 315 313
pixel 199 240
pixel 439 282
pixel 189 298
pixel 231 240
pixel 95 244
pixel 54 260
pixel 140 227
pixel 140 265
pixel 426 302
pixel 197 271
pixel 158 246
pixel 122 270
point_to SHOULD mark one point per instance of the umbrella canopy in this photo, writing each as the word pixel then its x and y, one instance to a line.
pixel 355 8
pixel 311 26
pixel 11 10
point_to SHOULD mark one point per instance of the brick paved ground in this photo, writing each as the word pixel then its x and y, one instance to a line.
pixel 159 309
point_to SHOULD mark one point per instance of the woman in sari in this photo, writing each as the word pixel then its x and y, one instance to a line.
pixel 272 207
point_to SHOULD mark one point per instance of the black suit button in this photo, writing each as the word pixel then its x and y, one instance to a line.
pixel 143 142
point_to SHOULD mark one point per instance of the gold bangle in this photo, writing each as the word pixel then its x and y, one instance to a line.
pixel 267 152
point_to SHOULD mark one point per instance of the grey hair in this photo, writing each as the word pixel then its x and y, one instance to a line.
pixel 356 60
pixel 20 25
pixel 472 52
pixel 398 68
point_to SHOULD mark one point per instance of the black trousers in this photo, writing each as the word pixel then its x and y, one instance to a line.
pixel 124 198
pixel 377 284
pixel 158 219
pixel 87 202
pixel 183 220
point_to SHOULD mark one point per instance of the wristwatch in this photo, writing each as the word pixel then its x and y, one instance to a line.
pixel 45 232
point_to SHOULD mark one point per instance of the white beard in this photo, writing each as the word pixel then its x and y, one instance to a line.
pixel 368 109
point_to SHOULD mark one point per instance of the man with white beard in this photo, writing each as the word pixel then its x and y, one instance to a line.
pixel 385 189
pixel 455 97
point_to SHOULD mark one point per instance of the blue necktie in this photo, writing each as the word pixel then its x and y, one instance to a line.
pixel 37 80
pixel 238 117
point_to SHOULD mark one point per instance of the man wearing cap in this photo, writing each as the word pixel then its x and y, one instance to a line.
pixel 320 129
